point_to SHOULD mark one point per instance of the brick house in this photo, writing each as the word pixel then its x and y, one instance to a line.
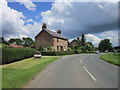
pixel 76 42
pixel 48 38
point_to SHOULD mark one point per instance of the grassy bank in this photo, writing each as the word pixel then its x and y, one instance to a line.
pixel 18 74
pixel 111 58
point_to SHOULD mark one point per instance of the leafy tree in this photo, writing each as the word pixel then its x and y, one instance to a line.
pixel 2 41
pixel 16 41
pixel 28 41
pixel 83 40
pixel 105 45
pixel 90 46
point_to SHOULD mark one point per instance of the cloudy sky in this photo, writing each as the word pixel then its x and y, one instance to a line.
pixel 97 20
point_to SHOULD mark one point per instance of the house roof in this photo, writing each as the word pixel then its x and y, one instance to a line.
pixel 54 34
pixel 12 45
pixel 77 41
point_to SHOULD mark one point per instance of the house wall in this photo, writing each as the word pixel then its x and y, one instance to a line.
pixel 43 40
pixel 46 40
pixel 74 43
pixel 60 44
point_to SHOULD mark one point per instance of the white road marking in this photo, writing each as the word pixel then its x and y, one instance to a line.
pixel 89 73
pixel 81 60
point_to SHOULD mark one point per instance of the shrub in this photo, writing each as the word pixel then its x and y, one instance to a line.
pixel 14 54
pixel 57 53
pixel 84 49
pixel 70 49
pixel 78 51
pixel 90 51
pixel 3 45
pixel 46 49
pixel 41 49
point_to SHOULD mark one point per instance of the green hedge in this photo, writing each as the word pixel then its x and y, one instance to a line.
pixel 57 53
pixel 14 54
pixel 64 53
pixel 78 51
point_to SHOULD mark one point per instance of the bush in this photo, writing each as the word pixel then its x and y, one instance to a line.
pixel 3 45
pixel 90 51
pixel 57 53
pixel 46 49
pixel 14 54
pixel 78 51
pixel 84 49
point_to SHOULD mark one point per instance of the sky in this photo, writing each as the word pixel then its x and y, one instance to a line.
pixel 97 20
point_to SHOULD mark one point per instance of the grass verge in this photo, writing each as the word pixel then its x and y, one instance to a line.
pixel 111 58
pixel 18 74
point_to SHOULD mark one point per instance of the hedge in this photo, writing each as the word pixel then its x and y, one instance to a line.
pixel 14 54
pixel 57 53
pixel 64 53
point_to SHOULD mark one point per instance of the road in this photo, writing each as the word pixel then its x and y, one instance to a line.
pixel 77 71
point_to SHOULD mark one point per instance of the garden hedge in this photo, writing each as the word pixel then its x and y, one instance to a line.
pixel 14 54
pixel 57 53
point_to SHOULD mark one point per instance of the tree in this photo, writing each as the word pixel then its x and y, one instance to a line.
pixel 2 41
pixel 28 41
pixel 90 46
pixel 16 41
pixel 83 40
pixel 105 45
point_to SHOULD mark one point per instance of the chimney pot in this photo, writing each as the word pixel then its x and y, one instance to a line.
pixel 59 31
pixel 78 38
pixel 44 26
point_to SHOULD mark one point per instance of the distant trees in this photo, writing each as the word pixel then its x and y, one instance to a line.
pixel 2 41
pixel 16 41
pixel 25 41
pixel 105 45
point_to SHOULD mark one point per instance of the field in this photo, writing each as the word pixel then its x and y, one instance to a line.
pixel 111 58
pixel 18 74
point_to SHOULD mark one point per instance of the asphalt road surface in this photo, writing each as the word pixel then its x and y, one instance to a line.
pixel 77 71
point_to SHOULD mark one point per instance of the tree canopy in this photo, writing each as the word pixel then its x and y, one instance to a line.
pixel 105 45
pixel 16 41
pixel 83 40
pixel 25 41
pixel 3 41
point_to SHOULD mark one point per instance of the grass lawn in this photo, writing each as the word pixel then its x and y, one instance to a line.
pixel 111 58
pixel 18 74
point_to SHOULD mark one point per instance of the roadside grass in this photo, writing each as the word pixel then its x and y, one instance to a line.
pixel 18 74
pixel 111 58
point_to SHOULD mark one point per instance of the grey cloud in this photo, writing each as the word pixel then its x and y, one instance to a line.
pixel 82 17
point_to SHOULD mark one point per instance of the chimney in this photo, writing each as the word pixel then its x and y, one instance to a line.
pixel 78 38
pixel 59 31
pixel 44 26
